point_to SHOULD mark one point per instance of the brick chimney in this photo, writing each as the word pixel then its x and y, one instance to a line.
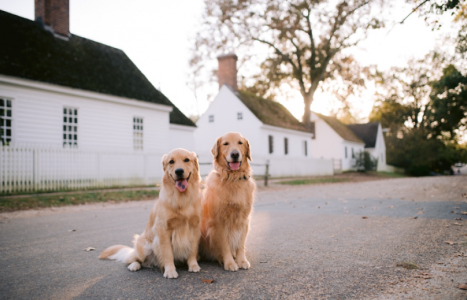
pixel 55 15
pixel 227 73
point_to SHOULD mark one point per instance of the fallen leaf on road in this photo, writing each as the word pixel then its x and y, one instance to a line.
pixel 89 249
pixel 364 217
pixel 71 230
pixel 208 280
pixel 407 265
pixel 456 207
pixel 421 212
pixel 464 213
pixel 413 218
pixel 458 224
pixel 391 206
pixel 458 219
pixel 464 195
pixel 265 262
pixel 424 276
pixel 450 242
pixel 462 286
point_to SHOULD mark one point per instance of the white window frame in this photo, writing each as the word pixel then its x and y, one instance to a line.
pixel 138 133
pixel 211 118
pixel 70 127
pixel 6 140
pixel 240 116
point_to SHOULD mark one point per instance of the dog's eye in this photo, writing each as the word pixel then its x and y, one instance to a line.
pixel 226 144
pixel 240 143
pixel 186 160
pixel 171 162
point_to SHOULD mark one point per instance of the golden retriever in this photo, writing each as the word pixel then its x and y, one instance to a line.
pixel 227 203
pixel 173 231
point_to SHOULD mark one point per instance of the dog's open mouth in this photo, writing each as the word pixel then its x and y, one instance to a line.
pixel 182 183
pixel 234 165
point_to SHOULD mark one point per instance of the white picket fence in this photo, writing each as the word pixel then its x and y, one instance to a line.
pixel 26 169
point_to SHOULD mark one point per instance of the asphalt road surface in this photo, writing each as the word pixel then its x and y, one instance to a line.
pixel 332 241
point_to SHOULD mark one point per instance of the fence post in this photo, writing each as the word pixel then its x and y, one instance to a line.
pixel 266 174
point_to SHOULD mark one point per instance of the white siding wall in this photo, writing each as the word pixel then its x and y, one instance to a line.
pixel 379 151
pixel 38 119
pixel 295 143
pixel 349 161
pixel 224 108
pixel 327 143
pixel 182 137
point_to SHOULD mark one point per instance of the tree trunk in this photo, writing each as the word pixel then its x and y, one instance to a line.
pixel 308 100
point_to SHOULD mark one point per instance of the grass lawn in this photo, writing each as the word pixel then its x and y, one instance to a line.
pixel 42 201
pixel 313 181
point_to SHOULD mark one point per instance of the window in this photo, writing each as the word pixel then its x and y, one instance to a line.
pixel 305 148
pixel 312 130
pixel 239 116
pixel 70 127
pixel 353 154
pixel 345 152
pixel 211 118
pixel 137 133
pixel 286 146
pixel 271 144
pixel 5 121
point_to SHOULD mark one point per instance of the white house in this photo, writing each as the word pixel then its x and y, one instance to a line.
pixel 372 134
pixel 334 140
pixel 77 112
pixel 275 135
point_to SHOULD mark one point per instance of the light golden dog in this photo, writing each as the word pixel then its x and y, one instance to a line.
pixel 227 203
pixel 172 233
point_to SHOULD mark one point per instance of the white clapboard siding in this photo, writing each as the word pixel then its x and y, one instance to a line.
pixel 35 168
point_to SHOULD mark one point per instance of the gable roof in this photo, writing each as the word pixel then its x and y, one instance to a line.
pixel 30 52
pixel 342 130
pixel 270 112
pixel 367 132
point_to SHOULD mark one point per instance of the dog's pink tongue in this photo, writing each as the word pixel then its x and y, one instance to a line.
pixel 234 165
pixel 181 185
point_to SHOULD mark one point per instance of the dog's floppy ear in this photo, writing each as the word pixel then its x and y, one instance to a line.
pixel 248 149
pixel 196 164
pixel 164 162
pixel 215 149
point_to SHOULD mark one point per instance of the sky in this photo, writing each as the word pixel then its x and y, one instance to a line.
pixel 157 36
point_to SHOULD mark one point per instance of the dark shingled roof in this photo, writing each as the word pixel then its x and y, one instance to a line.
pixel 340 128
pixel 270 112
pixel 367 132
pixel 30 52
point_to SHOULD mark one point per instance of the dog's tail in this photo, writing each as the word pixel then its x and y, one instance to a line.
pixel 119 253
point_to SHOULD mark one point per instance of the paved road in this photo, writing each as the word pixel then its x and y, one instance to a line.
pixel 306 242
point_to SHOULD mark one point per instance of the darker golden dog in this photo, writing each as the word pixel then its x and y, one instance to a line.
pixel 173 231
pixel 228 202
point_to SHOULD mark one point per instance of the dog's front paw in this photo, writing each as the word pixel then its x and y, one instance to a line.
pixel 194 268
pixel 243 264
pixel 134 266
pixel 170 273
pixel 230 266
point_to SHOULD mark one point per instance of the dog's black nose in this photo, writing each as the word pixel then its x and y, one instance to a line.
pixel 234 154
pixel 179 172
